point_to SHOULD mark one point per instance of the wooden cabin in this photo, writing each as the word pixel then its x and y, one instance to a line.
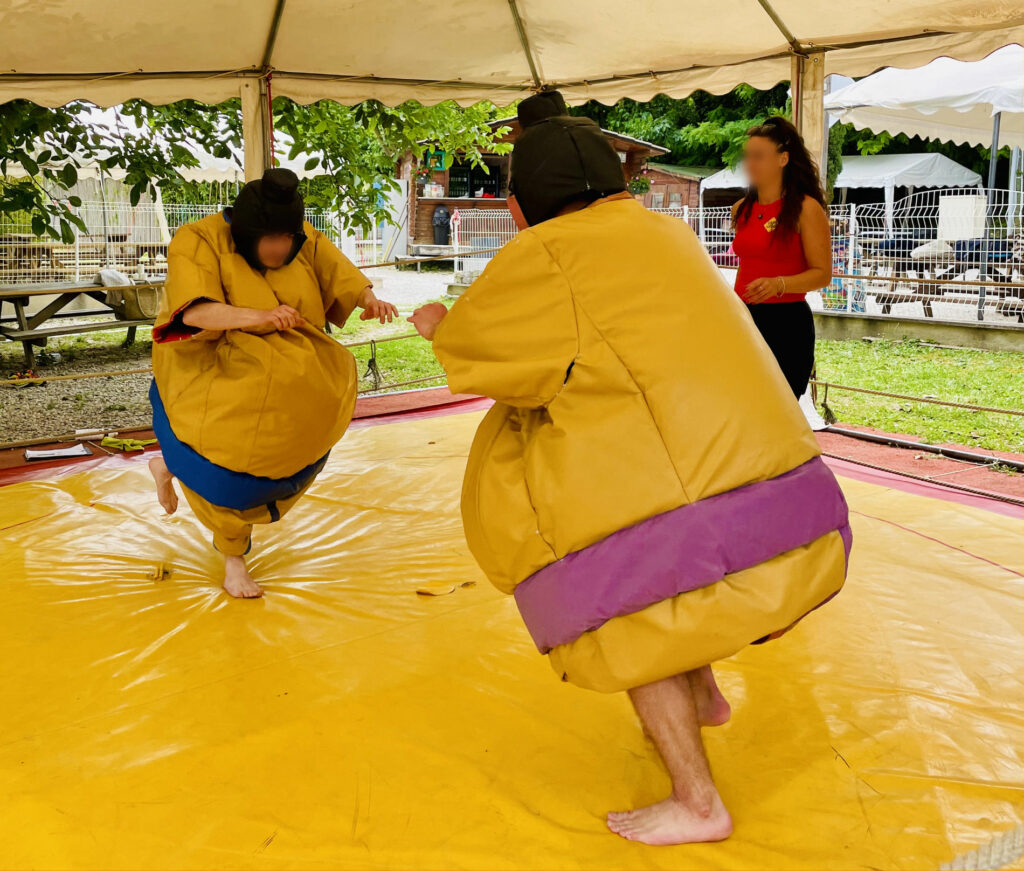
pixel 673 187
pixel 469 187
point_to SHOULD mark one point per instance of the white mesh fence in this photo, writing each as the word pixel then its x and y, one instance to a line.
pixel 133 240
pixel 479 230
pixel 953 254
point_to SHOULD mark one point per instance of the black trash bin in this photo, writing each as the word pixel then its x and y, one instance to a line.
pixel 442 222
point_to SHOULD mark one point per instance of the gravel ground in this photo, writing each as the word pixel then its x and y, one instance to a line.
pixel 60 407
pixel 408 289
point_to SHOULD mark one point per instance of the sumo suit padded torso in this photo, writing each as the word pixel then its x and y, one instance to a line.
pixel 646 484
pixel 267 405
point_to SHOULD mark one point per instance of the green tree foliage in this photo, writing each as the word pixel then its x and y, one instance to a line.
pixel 53 144
pixel 709 130
pixel 701 130
pixel 357 147
pixel 834 157
pixel 354 150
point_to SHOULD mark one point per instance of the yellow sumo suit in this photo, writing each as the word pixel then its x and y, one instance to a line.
pixel 246 420
pixel 646 484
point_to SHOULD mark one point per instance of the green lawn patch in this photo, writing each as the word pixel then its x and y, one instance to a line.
pixel 974 377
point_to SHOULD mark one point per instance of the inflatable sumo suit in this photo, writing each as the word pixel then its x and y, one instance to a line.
pixel 246 420
pixel 646 484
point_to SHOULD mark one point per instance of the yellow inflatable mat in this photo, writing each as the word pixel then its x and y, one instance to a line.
pixel 383 706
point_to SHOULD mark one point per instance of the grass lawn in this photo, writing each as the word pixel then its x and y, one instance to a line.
pixel 405 360
pixel 991 378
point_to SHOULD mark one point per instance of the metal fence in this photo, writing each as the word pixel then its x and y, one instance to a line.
pixel 946 254
pixel 134 240
pixel 953 254
pixel 479 230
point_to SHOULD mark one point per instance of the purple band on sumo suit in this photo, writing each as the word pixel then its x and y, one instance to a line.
pixel 681 550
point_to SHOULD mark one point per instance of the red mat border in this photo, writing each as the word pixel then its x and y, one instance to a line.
pixel 933 490
pixel 462 405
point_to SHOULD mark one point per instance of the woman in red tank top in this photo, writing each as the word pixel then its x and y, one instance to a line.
pixel 783 244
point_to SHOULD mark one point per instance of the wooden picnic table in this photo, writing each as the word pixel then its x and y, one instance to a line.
pixel 30 330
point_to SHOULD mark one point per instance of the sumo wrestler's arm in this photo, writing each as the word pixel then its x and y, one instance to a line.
pixel 193 304
pixel 513 335
pixel 207 315
pixel 343 288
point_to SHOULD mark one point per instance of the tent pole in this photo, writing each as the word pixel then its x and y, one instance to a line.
pixel 1014 185
pixel 525 43
pixel 807 81
pixel 993 161
pixel 255 130
pixel 890 202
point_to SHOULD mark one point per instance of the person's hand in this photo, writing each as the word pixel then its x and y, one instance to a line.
pixel 761 289
pixel 284 317
pixel 385 312
pixel 427 317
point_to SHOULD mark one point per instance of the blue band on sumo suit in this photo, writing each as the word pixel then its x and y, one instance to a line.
pixel 217 485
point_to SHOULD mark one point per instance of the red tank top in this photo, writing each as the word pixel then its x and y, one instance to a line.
pixel 763 252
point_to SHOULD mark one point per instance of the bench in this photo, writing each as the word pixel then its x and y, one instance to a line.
pixel 30 330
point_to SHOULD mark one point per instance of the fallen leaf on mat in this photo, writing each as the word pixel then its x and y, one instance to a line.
pixel 435 588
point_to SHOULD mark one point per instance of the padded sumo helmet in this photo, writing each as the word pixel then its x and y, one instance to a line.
pixel 271 204
pixel 559 158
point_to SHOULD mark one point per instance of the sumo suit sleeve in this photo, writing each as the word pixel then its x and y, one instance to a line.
pixel 341 284
pixel 512 336
pixel 193 275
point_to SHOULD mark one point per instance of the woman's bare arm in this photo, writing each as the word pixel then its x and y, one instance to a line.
pixel 816 238
pixel 220 316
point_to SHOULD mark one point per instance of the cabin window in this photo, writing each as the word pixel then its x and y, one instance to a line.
pixel 472 181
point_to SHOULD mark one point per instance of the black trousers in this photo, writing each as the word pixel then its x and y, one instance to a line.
pixel 788 329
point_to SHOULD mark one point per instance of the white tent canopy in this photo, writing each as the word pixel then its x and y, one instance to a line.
pixel 886 171
pixel 947 99
pixel 499 50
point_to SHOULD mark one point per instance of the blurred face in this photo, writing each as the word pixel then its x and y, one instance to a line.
pixel 763 161
pixel 273 249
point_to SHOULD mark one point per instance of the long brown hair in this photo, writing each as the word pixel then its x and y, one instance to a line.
pixel 799 176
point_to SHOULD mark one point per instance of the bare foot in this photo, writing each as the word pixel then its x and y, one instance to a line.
pixel 238 582
pixel 164 484
pixel 712 707
pixel 673 822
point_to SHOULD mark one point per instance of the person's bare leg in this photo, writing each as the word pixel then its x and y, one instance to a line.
pixel 694 811
pixel 164 484
pixel 712 707
pixel 237 580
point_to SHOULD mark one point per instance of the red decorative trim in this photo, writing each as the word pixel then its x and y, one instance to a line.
pixel 175 329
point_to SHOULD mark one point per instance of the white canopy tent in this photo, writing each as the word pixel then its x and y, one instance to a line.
pixel 948 100
pixel 978 103
pixel 499 50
